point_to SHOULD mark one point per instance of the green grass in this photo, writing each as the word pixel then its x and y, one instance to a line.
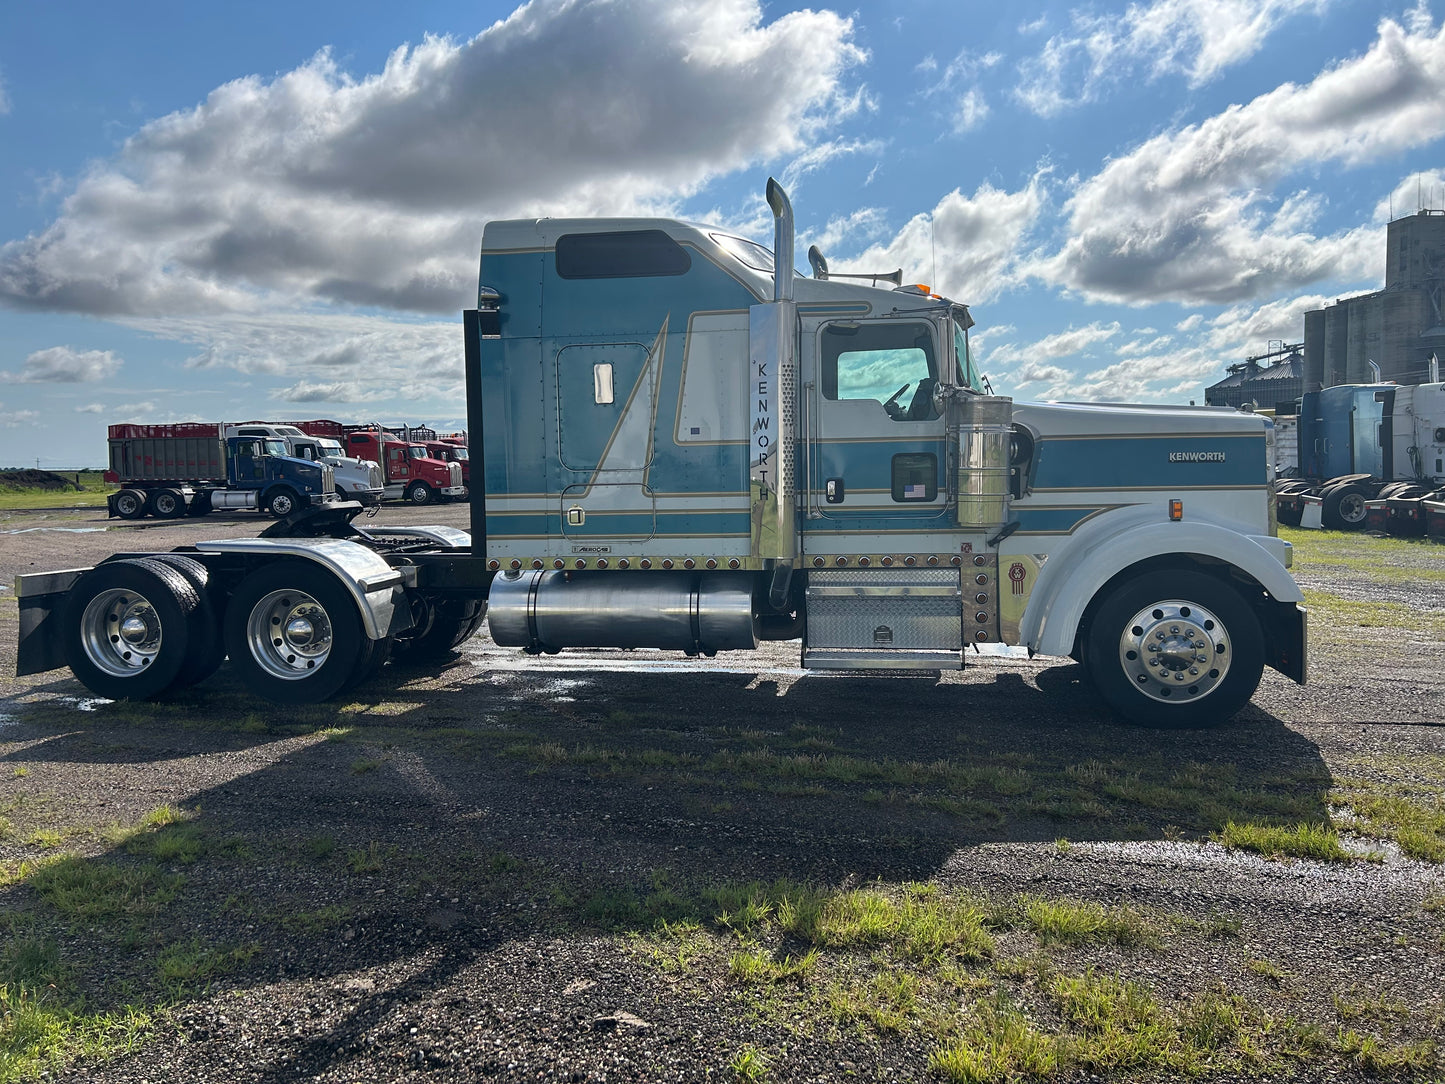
pixel 1412 816
pixel 1316 841
pixel 39 1032
pixel 92 493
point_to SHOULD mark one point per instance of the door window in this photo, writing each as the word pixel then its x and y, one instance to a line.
pixel 893 363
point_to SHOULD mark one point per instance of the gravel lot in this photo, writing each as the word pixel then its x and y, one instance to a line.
pixel 456 874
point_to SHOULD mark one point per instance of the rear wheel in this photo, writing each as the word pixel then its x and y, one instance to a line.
pixel 130 504
pixel 1175 649
pixel 294 634
pixel 168 504
pixel 453 623
pixel 1343 506
pixel 207 648
pixel 127 627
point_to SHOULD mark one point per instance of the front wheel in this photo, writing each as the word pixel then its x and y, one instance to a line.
pixel 281 503
pixel 419 493
pixel 294 633
pixel 1175 649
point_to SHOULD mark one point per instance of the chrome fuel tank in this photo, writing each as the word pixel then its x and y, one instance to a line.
pixel 680 611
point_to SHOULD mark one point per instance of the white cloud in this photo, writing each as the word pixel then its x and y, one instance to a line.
pixel 1194 38
pixel 968 247
pixel 1184 216
pixel 1143 346
pixel 91 408
pixel 1061 344
pixel 1245 330
pixel 372 190
pixel 12 419
pixel 4 98
pixel 65 365
pixel 324 349
pixel 970 111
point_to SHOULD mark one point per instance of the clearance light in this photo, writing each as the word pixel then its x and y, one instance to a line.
pixel 1176 510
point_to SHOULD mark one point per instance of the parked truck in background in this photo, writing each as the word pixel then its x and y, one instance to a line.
pixel 193 468
pixel 684 445
pixel 408 471
pixel 355 479
pixel 1367 446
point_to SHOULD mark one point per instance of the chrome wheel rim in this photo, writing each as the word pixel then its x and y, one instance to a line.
pixel 1175 651
pixel 289 634
pixel 127 505
pixel 1352 508
pixel 281 505
pixel 120 632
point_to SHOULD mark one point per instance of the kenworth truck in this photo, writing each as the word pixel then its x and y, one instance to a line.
pixel 355 479
pixel 194 468
pixel 684 445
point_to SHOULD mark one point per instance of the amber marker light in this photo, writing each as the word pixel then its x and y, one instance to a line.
pixel 1176 509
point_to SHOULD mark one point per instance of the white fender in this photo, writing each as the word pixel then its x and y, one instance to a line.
pixel 1099 550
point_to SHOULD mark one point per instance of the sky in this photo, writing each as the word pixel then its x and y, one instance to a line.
pixel 274 210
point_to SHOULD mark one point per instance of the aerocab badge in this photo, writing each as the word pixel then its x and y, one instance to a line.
pixel 1196 457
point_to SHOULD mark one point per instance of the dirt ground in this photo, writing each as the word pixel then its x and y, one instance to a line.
pixel 458 873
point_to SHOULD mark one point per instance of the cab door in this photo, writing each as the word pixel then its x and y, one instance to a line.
pixel 875 444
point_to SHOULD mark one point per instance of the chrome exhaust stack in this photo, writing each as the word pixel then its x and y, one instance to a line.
pixel 772 385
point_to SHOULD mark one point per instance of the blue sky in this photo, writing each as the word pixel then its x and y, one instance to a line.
pixel 273 210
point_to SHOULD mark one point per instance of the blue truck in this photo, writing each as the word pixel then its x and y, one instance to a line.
pixel 194 468
pixel 1370 455
pixel 683 444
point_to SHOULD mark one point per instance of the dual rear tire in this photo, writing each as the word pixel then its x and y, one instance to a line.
pixel 137 627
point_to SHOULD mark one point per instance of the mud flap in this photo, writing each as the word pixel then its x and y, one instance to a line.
pixel 40 595
pixel 1286 638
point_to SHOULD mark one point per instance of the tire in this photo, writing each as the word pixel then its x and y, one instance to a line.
pixel 1175 611
pixel 207 647
pixel 453 623
pixel 126 628
pixel 419 493
pixel 281 503
pixel 167 504
pixel 294 634
pixel 1343 507
pixel 130 504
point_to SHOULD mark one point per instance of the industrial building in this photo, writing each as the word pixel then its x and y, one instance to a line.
pixel 1398 328
pixel 1257 386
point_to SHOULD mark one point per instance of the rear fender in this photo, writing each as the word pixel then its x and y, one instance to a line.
pixel 376 587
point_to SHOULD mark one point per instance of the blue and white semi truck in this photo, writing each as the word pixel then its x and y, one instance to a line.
pixel 684 445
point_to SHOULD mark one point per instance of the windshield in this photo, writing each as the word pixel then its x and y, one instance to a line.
pixel 459 454
pixel 967 375
pixel 273 447
pixel 330 447
pixel 744 251
pixel 416 453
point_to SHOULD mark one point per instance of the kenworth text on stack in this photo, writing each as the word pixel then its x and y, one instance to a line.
pixel 685 445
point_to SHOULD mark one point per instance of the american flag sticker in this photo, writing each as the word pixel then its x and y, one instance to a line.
pixel 915 493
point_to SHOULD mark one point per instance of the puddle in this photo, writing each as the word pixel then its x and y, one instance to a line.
pixel 89 703
pixel 63 530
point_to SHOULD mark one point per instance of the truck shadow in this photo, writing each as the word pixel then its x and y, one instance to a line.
pixel 438 816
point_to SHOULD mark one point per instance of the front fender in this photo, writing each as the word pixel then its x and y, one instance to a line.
pixel 1099 551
